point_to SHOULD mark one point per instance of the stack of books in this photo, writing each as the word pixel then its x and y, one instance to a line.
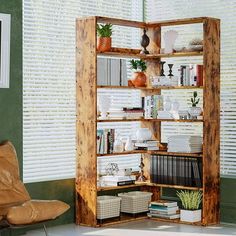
pixel 151 145
pixel 185 143
pixel 126 113
pixel 164 209
pixel 117 180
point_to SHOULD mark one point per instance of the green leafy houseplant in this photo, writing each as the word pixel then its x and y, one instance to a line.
pixel 190 200
pixel 104 30
pixel 194 99
pixel 138 65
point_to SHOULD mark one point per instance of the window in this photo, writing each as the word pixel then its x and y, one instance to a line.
pixel 49 80
pixel 163 10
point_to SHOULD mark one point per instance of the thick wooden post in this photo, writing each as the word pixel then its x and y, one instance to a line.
pixel 211 127
pixel 86 167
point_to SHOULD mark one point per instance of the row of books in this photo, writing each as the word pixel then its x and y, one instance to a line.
pixel 164 209
pixel 152 104
pixel 174 170
pixel 105 141
pixel 191 75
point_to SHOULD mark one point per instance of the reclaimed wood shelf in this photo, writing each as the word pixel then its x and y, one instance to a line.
pixel 137 184
pixel 86 124
pixel 174 221
pixel 124 218
pixel 159 152
pixel 148 88
pixel 150 120
pixel 141 184
pixel 135 53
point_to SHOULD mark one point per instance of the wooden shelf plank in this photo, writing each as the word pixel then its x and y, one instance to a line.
pixel 152 120
pixel 175 221
pixel 160 152
pixel 124 219
pixel 174 186
pixel 134 53
pixel 185 21
pixel 137 184
pixel 123 153
pixel 121 22
pixel 147 88
pixel 185 154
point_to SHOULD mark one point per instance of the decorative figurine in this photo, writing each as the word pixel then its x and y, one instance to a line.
pixel 144 42
pixel 141 177
pixel 162 68
pixel 170 70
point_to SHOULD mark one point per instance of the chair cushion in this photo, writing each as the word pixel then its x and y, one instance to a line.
pixel 13 191
pixel 36 211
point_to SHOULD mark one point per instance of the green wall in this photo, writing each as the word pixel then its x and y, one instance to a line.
pixel 11 98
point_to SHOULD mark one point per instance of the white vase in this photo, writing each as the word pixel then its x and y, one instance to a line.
pixel 169 38
pixel 104 102
pixel 194 112
pixel 129 144
pixel 118 145
pixel 190 216
pixel 143 134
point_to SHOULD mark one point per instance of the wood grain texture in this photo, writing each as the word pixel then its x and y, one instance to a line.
pixel 211 126
pixel 86 167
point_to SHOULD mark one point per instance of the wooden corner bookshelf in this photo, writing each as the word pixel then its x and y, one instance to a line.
pixel 86 87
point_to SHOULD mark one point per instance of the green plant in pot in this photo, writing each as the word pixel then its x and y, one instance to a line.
pixel 190 201
pixel 195 111
pixel 104 33
pixel 139 78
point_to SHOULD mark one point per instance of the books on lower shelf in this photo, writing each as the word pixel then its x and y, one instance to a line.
pixel 176 170
pixel 164 209
pixel 105 141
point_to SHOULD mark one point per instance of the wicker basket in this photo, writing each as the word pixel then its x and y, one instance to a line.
pixel 135 202
pixel 108 207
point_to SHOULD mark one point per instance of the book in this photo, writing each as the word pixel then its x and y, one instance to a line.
pixel 171 217
pixel 163 208
pixel 164 203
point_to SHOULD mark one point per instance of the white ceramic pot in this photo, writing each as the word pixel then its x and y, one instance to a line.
pixel 194 112
pixel 190 216
pixel 143 134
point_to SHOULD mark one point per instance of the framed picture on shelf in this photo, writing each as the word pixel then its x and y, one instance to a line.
pixel 5 28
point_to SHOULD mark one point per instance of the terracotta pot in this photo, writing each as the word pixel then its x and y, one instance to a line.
pixel 104 44
pixel 139 79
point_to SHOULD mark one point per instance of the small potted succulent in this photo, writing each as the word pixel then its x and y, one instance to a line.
pixel 139 78
pixel 104 33
pixel 194 111
pixel 191 201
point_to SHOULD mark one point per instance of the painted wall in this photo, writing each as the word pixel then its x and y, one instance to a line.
pixel 11 98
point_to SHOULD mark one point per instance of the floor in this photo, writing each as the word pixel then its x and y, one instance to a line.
pixel 138 228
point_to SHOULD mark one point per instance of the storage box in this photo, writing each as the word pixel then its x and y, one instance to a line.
pixel 108 207
pixel 135 202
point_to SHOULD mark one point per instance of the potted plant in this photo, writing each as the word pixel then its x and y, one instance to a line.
pixel 139 78
pixel 190 203
pixel 104 33
pixel 194 111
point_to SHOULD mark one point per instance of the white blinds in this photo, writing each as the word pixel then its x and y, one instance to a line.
pixel 49 80
pixel 225 10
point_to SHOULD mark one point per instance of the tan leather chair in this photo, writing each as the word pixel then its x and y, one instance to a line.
pixel 16 207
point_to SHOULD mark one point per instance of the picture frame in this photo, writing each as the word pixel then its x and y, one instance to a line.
pixel 5 29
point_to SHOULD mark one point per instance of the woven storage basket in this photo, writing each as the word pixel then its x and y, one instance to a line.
pixel 108 207
pixel 135 202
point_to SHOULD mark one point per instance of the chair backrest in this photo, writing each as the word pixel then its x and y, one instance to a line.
pixel 12 190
